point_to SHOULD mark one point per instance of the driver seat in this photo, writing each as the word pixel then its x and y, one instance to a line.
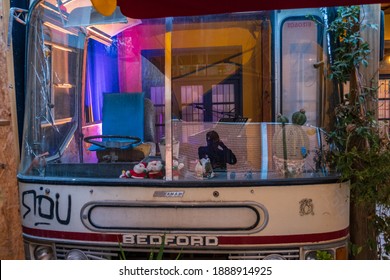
pixel 127 114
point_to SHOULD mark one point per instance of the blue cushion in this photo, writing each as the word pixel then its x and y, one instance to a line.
pixel 123 114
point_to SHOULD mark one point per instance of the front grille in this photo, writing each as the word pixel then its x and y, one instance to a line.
pixel 94 253
pixel 115 252
pixel 288 254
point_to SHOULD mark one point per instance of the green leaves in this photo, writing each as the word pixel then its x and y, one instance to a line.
pixel 160 251
pixel 352 50
pixel 323 255
pixel 358 153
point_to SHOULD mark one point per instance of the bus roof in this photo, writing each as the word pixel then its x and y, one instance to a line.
pixel 170 8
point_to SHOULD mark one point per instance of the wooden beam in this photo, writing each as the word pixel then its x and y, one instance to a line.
pixel 11 244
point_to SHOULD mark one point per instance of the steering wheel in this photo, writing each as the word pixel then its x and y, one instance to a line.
pixel 114 142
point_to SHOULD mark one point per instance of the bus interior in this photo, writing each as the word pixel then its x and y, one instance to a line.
pixel 159 85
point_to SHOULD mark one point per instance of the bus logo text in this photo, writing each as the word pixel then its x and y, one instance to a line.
pixel 178 240
pixel 168 194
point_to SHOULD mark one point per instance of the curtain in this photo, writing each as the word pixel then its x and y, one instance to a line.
pixel 100 78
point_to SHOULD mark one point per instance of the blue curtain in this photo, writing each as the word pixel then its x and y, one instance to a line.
pixel 102 77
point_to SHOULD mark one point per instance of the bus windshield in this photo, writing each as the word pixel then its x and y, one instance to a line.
pixel 217 98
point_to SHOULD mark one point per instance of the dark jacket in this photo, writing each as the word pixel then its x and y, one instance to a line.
pixel 219 156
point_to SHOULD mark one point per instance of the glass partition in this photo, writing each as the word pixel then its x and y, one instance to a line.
pixel 97 97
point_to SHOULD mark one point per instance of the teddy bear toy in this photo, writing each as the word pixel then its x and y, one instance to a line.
pixel 139 171
pixel 207 168
pixel 198 169
pixel 155 169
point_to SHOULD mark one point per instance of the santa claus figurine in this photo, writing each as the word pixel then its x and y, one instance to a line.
pixel 125 174
pixel 139 171
pixel 155 169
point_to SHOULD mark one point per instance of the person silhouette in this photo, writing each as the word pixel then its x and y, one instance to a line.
pixel 217 152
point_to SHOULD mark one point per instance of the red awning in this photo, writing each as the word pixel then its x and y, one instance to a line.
pixel 172 8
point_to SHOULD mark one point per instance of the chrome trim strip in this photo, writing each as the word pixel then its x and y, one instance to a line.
pixel 260 209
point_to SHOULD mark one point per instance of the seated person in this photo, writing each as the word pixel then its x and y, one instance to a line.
pixel 217 152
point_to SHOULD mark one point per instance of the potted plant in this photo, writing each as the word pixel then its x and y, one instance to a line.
pixel 290 143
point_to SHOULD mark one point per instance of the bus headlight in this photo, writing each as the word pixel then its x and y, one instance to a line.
pixel 76 254
pixel 43 252
pixel 319 255
pixel 274 257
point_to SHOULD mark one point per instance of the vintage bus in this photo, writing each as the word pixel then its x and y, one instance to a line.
pixel 116 111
